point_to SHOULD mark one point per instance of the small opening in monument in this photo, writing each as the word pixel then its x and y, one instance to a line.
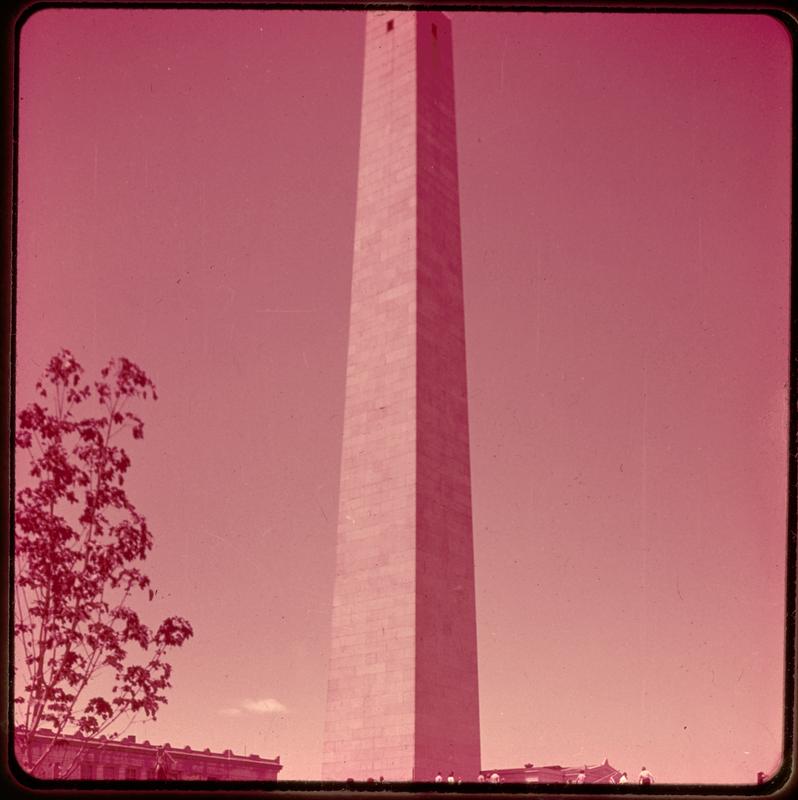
pixel 434 31
pixel 389 26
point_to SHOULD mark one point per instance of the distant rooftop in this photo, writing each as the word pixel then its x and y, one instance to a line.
pixel 555 773
pixel 129 742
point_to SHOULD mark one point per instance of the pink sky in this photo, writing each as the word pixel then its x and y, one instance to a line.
pixel 187 195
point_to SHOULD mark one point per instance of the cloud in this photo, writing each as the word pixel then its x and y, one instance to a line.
pixel 267 705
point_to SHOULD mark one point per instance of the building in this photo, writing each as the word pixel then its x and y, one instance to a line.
pixel 529 773
pixel 402 692
pixel 127 759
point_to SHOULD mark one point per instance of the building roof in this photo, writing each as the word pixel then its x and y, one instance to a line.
pixel 129 743
pixel 594 773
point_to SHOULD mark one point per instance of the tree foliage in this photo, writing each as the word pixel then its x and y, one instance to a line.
pixel 78 545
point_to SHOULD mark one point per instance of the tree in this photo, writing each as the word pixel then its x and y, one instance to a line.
pixel 77 548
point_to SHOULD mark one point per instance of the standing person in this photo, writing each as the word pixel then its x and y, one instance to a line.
pixel 450 779
pixel 580 778
pixel 645 777
pixel 163 762
pixel 439 778
pixel 494 777
pixel 623 778
pixel 480 778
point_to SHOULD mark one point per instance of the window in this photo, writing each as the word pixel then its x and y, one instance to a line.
pixel 109 772
pixel 131 774
pixel 87 772
pixel 389 26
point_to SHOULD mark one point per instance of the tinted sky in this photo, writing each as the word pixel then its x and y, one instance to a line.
pixel 187 195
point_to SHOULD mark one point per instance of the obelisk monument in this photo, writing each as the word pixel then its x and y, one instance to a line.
pixel 402 692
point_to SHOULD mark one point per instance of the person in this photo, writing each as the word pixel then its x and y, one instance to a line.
pixel 623 778
pixel 163 761
pixel 494 777
pixel 450 779
pixel 480 778
pixel 761 777
pixel 439 778
pixel 645 777
pixel 580 778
